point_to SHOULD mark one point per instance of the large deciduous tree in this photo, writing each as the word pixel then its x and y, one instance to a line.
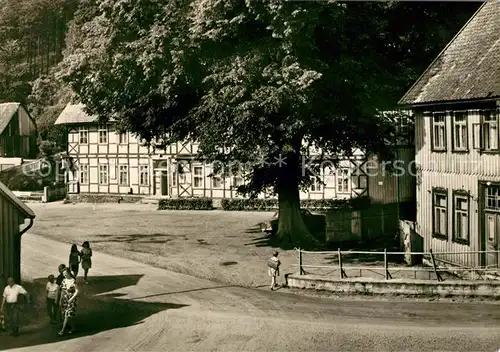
pixel 257 82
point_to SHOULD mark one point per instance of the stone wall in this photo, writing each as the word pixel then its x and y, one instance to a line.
pixel 396 286
pixel 104 198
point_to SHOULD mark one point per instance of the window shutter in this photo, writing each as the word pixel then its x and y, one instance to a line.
pixel 477 136
pixel 431 116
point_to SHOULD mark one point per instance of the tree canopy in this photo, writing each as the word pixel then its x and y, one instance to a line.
pixel 253 80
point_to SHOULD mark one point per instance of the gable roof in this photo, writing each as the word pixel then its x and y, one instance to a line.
pixel 469 66
pixel 74 114
pixel 7 193
pixel 7 111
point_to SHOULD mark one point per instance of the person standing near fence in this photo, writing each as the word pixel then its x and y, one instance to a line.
pixel 273 265
pixel 10 305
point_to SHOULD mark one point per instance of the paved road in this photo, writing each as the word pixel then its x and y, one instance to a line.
pixel 134 307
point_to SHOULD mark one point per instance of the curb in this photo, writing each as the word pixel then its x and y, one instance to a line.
pixel 366 286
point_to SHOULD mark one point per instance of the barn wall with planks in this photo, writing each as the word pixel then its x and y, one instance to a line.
pixel 10 240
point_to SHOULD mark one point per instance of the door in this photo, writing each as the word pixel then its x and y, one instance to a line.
pixel 164 183
pixel 491 234
pixel 491 225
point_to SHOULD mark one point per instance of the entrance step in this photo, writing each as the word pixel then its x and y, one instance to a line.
pixel 150 200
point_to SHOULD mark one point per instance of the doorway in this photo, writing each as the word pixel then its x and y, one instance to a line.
pixel 164 183
pixel 491 225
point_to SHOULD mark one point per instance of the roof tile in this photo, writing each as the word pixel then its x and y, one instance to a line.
pixel 468 68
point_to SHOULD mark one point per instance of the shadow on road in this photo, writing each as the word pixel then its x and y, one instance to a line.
pixel 98 310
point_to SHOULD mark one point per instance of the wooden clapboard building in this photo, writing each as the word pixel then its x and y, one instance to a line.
pixel 106 162
pixel 13 214
pixel 457 111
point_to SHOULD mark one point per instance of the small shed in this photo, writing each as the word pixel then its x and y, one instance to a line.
pixel 18 132
pixel 13 214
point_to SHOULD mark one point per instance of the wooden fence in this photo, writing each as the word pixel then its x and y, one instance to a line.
pixel 386 267
pixel 52 194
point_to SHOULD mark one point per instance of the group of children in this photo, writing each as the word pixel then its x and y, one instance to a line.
pixel 57 310
pixel 84 257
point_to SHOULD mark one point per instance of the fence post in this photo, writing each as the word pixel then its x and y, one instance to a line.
pixel 301 270
pixel 341 269
pixel 45 196
pixel 386 265
pixel 438 276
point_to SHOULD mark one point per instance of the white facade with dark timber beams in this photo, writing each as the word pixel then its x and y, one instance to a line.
pixel 105 162
pixel 457 112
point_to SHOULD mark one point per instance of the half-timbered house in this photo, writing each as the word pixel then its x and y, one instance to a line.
pixel 107 162
pixel 456 103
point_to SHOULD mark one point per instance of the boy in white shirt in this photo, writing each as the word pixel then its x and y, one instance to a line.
pixel 10 302
pixel 273 265
pixel 52 291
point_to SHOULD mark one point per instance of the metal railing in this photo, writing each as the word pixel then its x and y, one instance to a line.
pixel 390 269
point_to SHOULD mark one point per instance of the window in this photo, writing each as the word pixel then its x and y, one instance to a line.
pixel 359 181
pixel 237 181
pixel 123 175
pixel 123 138
pixel 103 135
pixel 216 182
pixel 461 218
pixel 144 175
pixel 316 185
pixel 440 214
pixel 489 130
pixel 103 174
pixel 343 181
pixel 460 137
pixel 183 168
pixel 83 135
pixel 492 198
pixel 182 178
pixel 198 177
pixel 439 132
pixel 84 174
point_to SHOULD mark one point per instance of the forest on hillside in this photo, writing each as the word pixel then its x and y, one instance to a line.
pixel 36 35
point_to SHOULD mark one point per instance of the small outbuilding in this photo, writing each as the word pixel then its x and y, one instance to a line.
pixel 13 215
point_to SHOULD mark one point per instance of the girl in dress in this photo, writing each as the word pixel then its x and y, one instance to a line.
pixel 86 256
pixel 69 301
pixel 74 260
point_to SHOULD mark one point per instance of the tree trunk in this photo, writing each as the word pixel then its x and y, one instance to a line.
pixel 291 226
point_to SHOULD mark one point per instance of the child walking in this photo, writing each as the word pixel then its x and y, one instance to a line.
pixel 86 255
pixel 52 292
pixel 74 260
pixel 273 268
pixel 2 323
